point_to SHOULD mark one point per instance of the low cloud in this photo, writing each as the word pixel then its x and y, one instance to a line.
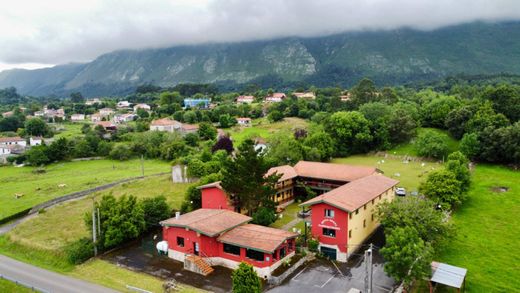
pixel 62 31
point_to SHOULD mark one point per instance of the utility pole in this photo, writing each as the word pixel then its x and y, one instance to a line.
pixel 368 269
pixel 98 223
pixel 142 165
pixel 94 234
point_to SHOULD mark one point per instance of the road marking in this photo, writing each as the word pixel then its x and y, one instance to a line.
pixel 294 278
pixel 332 277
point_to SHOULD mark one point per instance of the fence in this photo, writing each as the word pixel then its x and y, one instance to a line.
pixel 33 288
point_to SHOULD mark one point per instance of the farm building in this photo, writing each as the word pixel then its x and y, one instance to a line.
pixel 275 98
pixel 244 121
pixel 245 99
pixel 196 103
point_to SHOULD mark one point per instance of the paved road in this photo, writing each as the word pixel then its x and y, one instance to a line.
pixel 46 280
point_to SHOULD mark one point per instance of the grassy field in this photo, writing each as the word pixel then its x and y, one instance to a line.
pixel 408 149
pixel 264 129
pixel 70 130
pixel 290 213
pixel 488 238
pixel 409 174
pixel 10 287
pixel 38 188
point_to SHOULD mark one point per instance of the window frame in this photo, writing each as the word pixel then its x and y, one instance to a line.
pixel 180 241
pixel 323 232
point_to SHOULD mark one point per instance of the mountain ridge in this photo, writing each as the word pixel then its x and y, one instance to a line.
pixel 388 57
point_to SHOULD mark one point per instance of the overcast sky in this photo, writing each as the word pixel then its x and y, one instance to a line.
pixel 36 33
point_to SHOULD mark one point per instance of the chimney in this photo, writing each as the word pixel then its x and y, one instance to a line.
pixel 177 215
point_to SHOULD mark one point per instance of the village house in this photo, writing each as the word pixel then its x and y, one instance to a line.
pixel 123 105
pixel 218 237
pixel 124 118
pixel 93 101
pixel 345 97
pixel 77 117
pixel 106 112
pixel 96 117
pixel 8 114
pixel 244 121
pixel 16 140
pixel 107 125
pixel 305 95
pixel 275 98
pixel 142 106
pixel 245 99
pixel 188 128
pixel 197 103
pixel 4 150
pixel 165 124
pixel 35 140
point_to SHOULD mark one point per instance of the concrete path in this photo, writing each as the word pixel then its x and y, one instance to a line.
pixel 45 280
pixel 291 224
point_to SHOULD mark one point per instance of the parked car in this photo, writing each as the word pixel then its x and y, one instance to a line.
pixel 304 213
pixel 400 191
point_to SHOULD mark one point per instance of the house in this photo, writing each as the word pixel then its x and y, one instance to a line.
pixel 35 140
pixel 197 103
pixel 189 128
pixel 142 106
pixel 7 114
pixel 124 118
pixel 39 114
pixel 275 98
pixel 245 99
pixel 343 218
pixel 107 125
pixel 345 97
pixel 123 105
pixel 16 140
pixel 50 113
pixel 305 95
pixel 106 112
pixel 5 150
pixel 218 237
pixel 77 117
pixel 244 121
pixel 93 101
pixel 165 124
pixel 96 117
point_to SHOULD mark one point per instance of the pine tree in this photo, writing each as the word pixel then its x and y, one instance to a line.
pixel 245 280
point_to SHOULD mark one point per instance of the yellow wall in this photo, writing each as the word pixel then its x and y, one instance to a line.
pixel 285 191
pixel 358 233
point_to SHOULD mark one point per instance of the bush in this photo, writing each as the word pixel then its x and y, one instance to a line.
pixel 79 251
pixel 432 144
pixel 121 152
pixel 264 216
pixel 275 116
pixel 245 280
pixel 313 244
pixel 155 209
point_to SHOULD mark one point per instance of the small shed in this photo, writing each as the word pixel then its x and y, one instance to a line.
pixel 448 275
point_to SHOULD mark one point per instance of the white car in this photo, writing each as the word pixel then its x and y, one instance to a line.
pixel 400 191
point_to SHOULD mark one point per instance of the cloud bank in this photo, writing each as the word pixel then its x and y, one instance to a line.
pixel 62 31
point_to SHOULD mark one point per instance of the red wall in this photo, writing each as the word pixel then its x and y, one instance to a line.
pixel 215 198
pixel 338 223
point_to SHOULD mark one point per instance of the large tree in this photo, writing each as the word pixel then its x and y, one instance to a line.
pixel 350 131
pixel 245 181
pixel 443 188
pixel 36 127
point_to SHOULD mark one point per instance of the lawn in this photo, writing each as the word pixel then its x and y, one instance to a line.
pixel 290 213
pixel 11 287
pixel 38 188
pixel 410 174
pixel 488 235
pixel 68 130
pixel 264 129
pixel 408 149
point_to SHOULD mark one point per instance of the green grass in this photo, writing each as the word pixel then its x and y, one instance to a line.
pixel 70 130
pixel 408 149
pixel 290 213
pixel 10 287
pixel 264 129
pixel 488 235
pixel 38 188
pixel 410 174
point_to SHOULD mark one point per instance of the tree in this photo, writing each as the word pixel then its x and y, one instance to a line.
pixel 350 131
pixel 470 145
pixel 275 116
pixel 284 149
pixel 226 121
pixel 168 98
pixel 485 117
pixel 37 155
pixel 320 143
pixel 245 181
pixel 245 280
pixel 77 97
pixel 402 125
pixel 456 121
pixel 190 117
pixel 142 113
pixel 155 209
pixel 416 212
pixel 192 139
pixel 407 256
pixel 432 144
pixel 223 143
pixel 58 150
pixel 36 127
pixel 435 112
pixel 364 92
pixel 458 164
pixel 264 216
pixel 207 131
pixel 442 187
pixel 506 100
pixel 121 152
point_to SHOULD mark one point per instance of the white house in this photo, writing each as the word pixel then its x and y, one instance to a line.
pixel 13 141
pixel 165 124
pixel 96 117
pixel 35 140
pixel 244 121
pixel 245 99
pixel 91 102
pixel 305 95
pixel 142 106
pixel 123 104
pixel 77 117
pixel 105 112
pixel 275 98
pixel 5 150
pixel 124 118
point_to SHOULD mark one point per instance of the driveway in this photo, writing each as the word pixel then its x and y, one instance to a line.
pixel 46 280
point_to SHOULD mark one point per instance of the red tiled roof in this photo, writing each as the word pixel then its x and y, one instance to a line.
pixel 209 222
pixel 286 171
pixel 241 98
pixel 14 138
pixel 164 122
pixel 211 185
pixel 106 124
pixel 190 126
pixel 329 171
pixel 353 195
pixel 257 237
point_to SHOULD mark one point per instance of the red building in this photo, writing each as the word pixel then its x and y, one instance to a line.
pixel 343 218
pixel 208 237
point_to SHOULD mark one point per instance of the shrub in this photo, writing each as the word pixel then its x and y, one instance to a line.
pixel 264 216
pixel 313 243
pixel 121 152
pixel 432 144
pixel 79 251
pixel 245 280
pixel 155 209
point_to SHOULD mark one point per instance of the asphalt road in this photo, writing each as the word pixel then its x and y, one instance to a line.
pixel 46 280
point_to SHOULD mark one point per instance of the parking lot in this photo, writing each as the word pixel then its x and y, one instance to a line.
pixel 326 276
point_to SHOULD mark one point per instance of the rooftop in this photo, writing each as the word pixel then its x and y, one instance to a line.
pixel 211 185
pixel 248 236
pixel 164 122
pixel 8 139
pixel 330 171
pixel 286 171
pixel 209 222
pixel 448 275
pixel 352 196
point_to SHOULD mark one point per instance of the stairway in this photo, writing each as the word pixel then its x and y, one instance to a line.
pixel 198 265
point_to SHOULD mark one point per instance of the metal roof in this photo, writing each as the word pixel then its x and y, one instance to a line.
pixel 448 275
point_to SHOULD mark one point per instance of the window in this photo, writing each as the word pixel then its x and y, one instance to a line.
pixel 329 213
pixel 329 232
pixel 364 223
pixel 282 253
pixel 231 249
pixel 372 202
pixel 357 212
pixel 255 255
pixel 350 216
pixel 349 233
pixel 180 241
pixel 365 207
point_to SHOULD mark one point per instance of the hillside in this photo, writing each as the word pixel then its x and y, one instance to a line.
pixel 388 57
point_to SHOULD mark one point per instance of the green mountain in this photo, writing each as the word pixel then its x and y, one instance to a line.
pixel 388 57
